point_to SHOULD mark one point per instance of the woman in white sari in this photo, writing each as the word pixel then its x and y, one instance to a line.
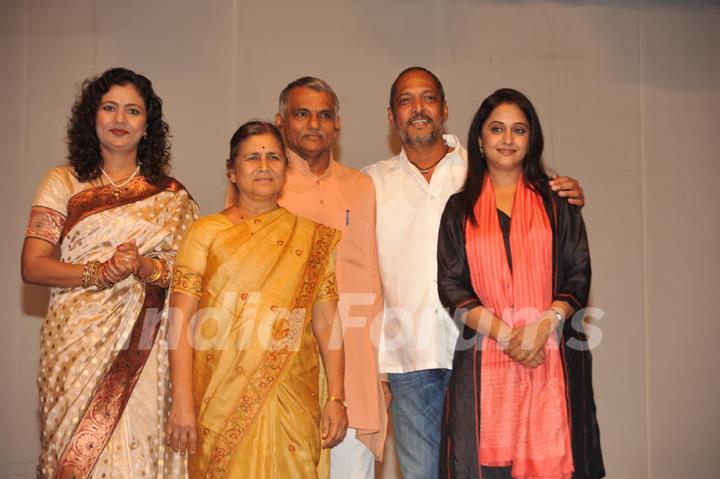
pixel 116 218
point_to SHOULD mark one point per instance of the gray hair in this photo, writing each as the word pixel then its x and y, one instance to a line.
pixel 308 82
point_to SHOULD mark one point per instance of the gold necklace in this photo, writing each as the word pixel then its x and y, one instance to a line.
pixel 427 170
pixel 116 187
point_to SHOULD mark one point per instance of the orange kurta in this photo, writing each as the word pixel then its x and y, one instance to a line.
pixel 344 198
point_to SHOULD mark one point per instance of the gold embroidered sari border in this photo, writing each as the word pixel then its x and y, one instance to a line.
pixel 107 405
pixel 265 377
pixel 96 200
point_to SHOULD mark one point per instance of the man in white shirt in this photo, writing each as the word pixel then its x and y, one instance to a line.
pixel 418 336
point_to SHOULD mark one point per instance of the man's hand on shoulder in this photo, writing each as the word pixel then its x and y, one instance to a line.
pixel 569 188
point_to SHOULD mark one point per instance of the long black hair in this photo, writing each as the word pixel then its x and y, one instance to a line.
pixel 153 152
pixel 534 172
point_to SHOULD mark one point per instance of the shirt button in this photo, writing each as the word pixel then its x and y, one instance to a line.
pixel 322 202
pixel 432 197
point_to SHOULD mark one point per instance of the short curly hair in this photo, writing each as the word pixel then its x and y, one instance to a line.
pixel 153 152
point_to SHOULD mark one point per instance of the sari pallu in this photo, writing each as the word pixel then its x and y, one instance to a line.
pixel 256 361
pixel 103 382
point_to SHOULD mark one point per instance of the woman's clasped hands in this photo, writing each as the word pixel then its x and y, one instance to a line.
pixel 124 262
pixel 526 344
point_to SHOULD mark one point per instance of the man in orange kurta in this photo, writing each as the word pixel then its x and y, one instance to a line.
pixel 323 190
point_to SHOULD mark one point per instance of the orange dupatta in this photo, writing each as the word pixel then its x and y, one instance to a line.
pixel 524 420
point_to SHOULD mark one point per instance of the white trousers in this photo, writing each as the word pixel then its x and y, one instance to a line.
pixel 351 459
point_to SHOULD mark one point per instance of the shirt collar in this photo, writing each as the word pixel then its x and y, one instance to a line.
pixel 298 165
pixel 453 157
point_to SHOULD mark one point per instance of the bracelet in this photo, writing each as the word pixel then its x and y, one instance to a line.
pixel 559 316
pixel 160 275
pixel 157 272
pixel 88 272
pixel 343 402
pixel 166 277
pixel 95 274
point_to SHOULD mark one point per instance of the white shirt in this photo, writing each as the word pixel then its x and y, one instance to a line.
pixel 417 332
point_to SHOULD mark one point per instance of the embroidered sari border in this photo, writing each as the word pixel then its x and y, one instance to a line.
pixel 95 200
pixel 108 403
pixel 265 377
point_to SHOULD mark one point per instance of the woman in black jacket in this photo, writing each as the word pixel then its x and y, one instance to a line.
pixel 513 265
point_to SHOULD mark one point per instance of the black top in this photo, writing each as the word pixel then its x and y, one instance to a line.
pixel 504 220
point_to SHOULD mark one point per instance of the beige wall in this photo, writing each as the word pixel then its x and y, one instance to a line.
pixel 628 93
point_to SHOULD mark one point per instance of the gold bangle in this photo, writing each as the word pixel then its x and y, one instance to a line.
pixel 88 273
pixel 159 275
pixel 156 272
pixel 343 402
pixel 101 280
pixel 94 274
pixel 166 275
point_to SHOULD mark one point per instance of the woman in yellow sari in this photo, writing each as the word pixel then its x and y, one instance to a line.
pixel 253 302
pixel 117 219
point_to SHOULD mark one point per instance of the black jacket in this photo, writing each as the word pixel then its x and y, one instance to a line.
pixel 571 283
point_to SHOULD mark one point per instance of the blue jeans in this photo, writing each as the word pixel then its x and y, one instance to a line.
pixel 417 408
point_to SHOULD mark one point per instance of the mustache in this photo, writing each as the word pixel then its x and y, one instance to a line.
pixel 419 116
pixel 319 133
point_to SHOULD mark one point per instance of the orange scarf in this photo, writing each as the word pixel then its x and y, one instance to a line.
pixel 523 420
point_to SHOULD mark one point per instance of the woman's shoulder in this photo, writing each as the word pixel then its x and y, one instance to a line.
pixel 319 230
pixel 454 208
pixel 62 175
pixel 214 219
pixel 455 199
pixel 171 184
pixel 558 205
pixel 211 223
pixel 56 187
pixel 310 224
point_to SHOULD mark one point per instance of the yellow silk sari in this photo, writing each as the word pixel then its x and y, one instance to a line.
pixel 256 361
pixel 96 421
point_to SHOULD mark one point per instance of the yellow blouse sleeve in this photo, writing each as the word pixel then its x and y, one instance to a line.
pixel 191 260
